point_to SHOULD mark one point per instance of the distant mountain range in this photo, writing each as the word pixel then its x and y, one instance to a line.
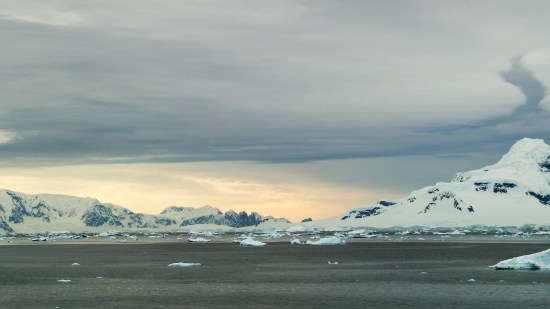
pixel 513 192
pixel 47 212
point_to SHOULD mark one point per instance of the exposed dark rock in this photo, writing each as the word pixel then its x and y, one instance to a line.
pixel 100 215
pixel 368 212
pixel 4 226
pixel 543 199
pixel 428 207
pixel 546 164
pixel 499 188
pixel 386 203
pixel 19 211
pixel 459 177
pixel 481 186
pixel 230 218
pixel 448 195
pixel 164 222
pixel 457 205
pixel 307 220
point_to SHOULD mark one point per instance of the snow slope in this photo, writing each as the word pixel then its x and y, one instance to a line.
pixel 513 192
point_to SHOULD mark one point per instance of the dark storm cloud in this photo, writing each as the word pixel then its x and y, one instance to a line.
pixel 521 77
pixel 526 120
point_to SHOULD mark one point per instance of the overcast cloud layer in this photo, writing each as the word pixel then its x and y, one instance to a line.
pixel 271 81
pixel 353 101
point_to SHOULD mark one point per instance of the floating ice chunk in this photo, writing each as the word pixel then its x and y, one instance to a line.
pixel 75 264
pixel 249 242
pixel 181 264
pixel 471 280
pixel 534 261
pixel 295 241
pixel 335 263
pixel 99 277
pixel 63 280
pixel 198 240
pixel 327 241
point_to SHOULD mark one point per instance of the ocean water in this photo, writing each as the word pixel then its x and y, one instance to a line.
pixel 369 274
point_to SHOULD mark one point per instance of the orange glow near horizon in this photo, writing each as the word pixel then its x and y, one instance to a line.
pixel 149 188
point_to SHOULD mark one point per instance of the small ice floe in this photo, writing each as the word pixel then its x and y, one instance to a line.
pixel 99 277
pixel 471 280
pixel 63 280
pixel 201 240
pixel 534 261
pixel 295 241
pixel 334 240
pixel 75 264
pixel 424 273
pixel 335 263
pixel 181 264
pixel 249 242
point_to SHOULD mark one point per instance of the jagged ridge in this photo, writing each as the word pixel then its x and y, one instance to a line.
pixel 24 212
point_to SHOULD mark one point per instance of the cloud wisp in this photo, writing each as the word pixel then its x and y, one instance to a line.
pixel 533 90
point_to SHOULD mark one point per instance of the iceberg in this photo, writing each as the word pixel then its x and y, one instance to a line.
pixel 249 242
pixel 534 261
pixel 334 240
pixel 63 280
pixel 198 240
pixel 295 242
pixel 181 264
pixel 75 264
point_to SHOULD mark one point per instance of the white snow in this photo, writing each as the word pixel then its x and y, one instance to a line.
pixel 181 264
pixel 496 195
pixel 534 261
pixel 201 240
pixel 249 242
pixel 327 241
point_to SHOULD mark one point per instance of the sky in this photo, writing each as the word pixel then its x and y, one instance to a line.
pixel 293 109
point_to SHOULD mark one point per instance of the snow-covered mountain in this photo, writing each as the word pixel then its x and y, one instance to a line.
pixel 513 192
pixel 33 213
